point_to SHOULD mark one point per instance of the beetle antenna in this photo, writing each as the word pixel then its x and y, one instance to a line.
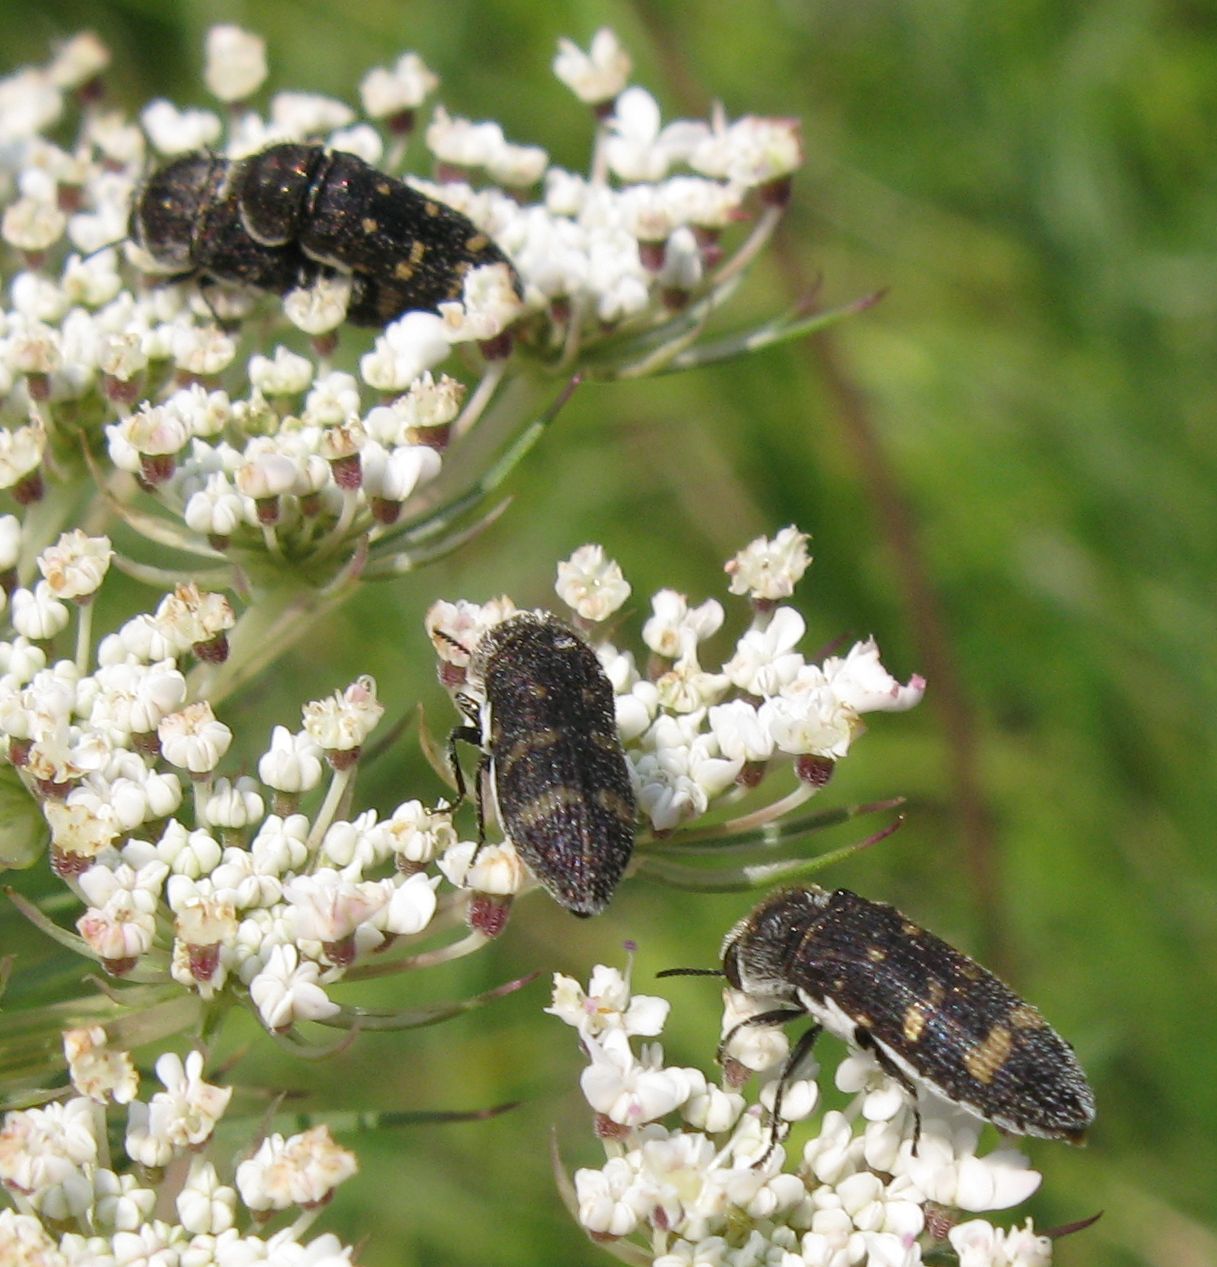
pixel 690 972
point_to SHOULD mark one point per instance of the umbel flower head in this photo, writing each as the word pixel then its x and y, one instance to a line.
pixel 699 737
pixel 296 446
pixel 271 889
pixel 692 1174
pixel 159 1197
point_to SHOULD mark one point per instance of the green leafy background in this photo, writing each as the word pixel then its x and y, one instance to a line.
pixel 1008 469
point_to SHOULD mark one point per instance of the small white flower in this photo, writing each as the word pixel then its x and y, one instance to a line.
pixel 299 115
pixel 945 1167
pixel 682 771
pixel 194 739
pixel 201 920
pixel 765 661
pixel 43 1150
pixel 79 59
pixel 286 373
pixel 320 307
pixel 21 450
pixel 751 151
pixel 175 131
pixel 411 345
pixel 81 826
pixel 303 1170
pixel 493 868
pixel 182 1116
pixel 10 541
pixel 606 1005
pixel 328 908
pixel 236 63
pixel 592 584
pixel 410 907
pixel 980 1244
pixel 32 224
pixel 97 1070
pixel 205 1205
pixel 755 1047
pixel 234 805
pixel 810 718
pixel 37 614
pixel 769 569
pixel 860 682
pixel 343 721
pixel 281 844
pixel 739 731
pixel 626 1090
pixel 609 1201
pixel 286 990
pixel 121 923
pixel 23 1238
pixel 394 474
pixel 597 75
pixel 405 87
pixel 417 834
pixel 462 142
pixel 637 148
pixel 674 627
pixel 293 762
pixel 713 1110
pixel 215 510
pixel 133 699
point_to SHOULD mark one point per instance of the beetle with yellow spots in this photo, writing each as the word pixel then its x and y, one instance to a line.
pixel 543 716
pixel 932 1016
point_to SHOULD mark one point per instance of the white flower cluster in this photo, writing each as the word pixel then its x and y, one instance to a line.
pixel 281 454
pixel 694 734
pixel 231 885
pixel 693 1178
pixel 74 1208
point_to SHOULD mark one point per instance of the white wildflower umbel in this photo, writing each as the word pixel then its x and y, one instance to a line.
pixel 695 735
pixel 85 1201
pixel 691 1170
pixel 597 270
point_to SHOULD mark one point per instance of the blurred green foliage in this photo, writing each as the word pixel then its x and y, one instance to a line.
pixel 1008 467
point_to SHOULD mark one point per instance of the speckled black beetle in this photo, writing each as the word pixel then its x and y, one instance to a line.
pixel 558 777
pixel 929 1013
pixel 275 220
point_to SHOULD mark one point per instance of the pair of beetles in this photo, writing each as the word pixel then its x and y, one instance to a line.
pixel 545 724
pixel 557 772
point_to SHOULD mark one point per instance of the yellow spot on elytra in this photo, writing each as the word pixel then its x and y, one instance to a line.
pixel 909 929
pixel 914 1020
pixel 479 242
pixel 522 749
pixel 431 208
pixel 382 188
pixel 985 1059
pixel 876 954
pixel 417 251
pixel 545 805
pixel 369 224
pixel 402 271
pixel 613 804
pixel 936 991
pixel 1027 1017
